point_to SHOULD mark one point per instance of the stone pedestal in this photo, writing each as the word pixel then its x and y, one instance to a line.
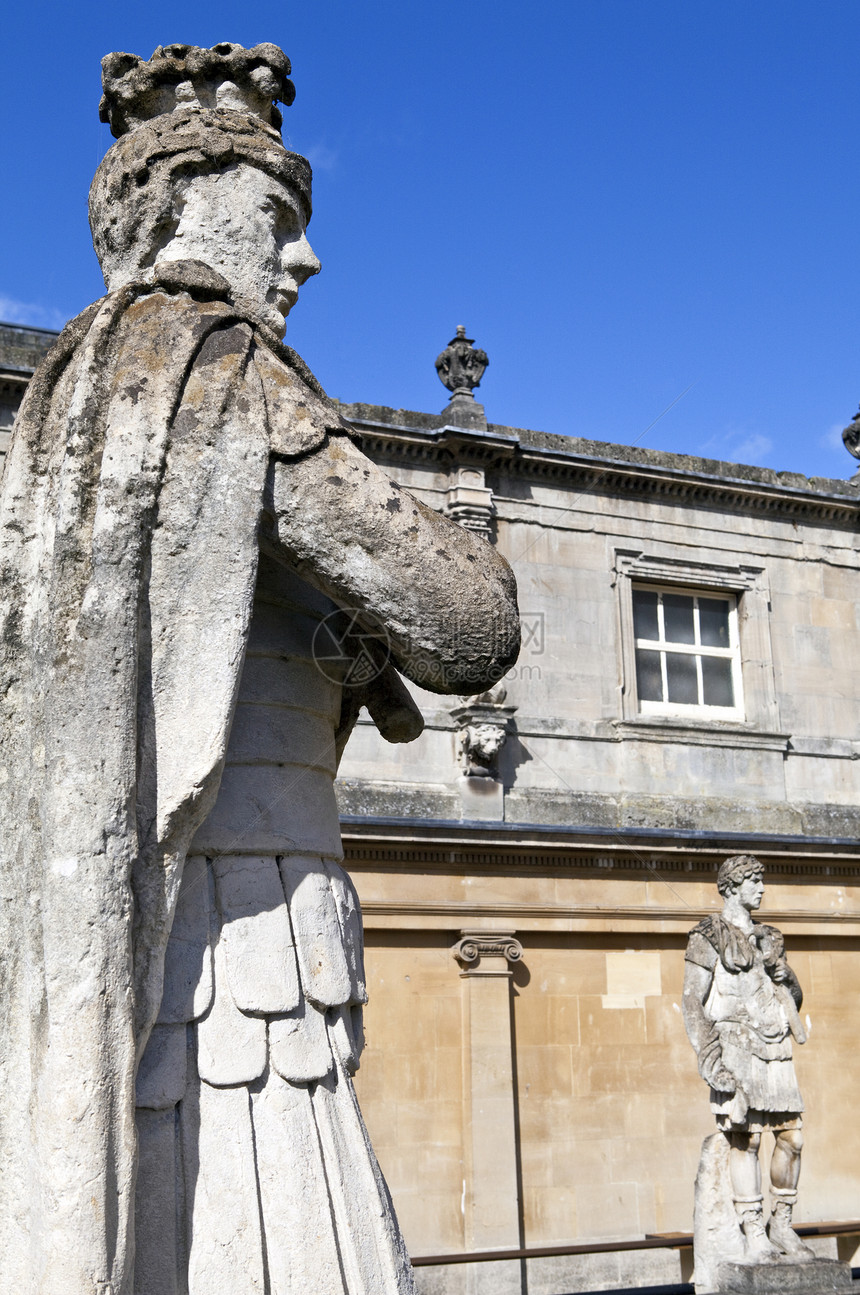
pixel 717 1237
pixel 813 1277
pixel 463 410
pixel 483 799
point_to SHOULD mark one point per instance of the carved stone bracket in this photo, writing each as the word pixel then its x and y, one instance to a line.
pixel 483 723
pixel 473 946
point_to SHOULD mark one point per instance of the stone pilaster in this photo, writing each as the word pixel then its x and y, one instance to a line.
pixel 491 1201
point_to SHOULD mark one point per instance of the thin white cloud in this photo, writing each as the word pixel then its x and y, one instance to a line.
pixel 752 448
pixel 32 313
pixel 832 438
pixel 321 157
pixel 737 445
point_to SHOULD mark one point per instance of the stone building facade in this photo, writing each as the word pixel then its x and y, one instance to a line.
pixel 529 868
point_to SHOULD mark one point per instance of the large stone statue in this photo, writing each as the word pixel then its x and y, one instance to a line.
pixel 741 1002
pixel 183 512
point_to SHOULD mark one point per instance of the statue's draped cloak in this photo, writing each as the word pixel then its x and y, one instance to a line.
pixel 128 552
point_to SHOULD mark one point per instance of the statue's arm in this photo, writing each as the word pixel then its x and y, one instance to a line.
pixel 783 975
pixel 445 600
pixel 773 948
pixel 701 1030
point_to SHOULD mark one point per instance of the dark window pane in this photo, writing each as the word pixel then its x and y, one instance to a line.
pixel 681 679
pixel 714 622
pixel 678 618
pixel 645 614
pixel 717 687
pixel 649 681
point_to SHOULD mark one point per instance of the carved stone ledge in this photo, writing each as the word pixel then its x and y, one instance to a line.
pixel 474 946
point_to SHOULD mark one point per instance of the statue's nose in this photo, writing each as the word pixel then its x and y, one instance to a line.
pixel 301 260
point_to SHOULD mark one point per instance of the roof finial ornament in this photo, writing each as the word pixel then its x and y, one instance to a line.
pixel 461 367
pixel 851 436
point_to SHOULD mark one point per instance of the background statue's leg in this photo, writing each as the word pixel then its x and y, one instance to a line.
pixel 784 1175
pixel 746 1186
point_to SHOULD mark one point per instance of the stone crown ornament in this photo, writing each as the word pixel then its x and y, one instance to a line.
pixel 184 76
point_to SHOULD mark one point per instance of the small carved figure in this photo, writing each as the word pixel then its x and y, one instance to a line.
pixel 741 1001
pixel 481 744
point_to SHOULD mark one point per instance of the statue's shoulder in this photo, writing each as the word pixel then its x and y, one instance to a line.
pixel 703 943
pixel 300 413
pixel 708 928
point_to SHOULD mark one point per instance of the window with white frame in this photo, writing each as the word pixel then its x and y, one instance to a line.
pixel 687 652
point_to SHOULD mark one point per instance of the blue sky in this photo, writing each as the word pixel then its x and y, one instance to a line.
pixel 622 200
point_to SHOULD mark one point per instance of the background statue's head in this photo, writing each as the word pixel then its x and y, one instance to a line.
pixel 199 172
pixel 735 871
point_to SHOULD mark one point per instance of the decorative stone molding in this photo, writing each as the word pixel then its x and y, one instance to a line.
pixel 475 945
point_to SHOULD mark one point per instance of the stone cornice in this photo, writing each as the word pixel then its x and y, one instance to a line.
pixel 530 917
pixel 666 478
pixel 395 844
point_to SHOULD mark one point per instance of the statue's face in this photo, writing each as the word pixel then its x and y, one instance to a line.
pixel 249 227
pixel 750 891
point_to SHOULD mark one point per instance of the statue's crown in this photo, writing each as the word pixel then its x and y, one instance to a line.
pixel 185 76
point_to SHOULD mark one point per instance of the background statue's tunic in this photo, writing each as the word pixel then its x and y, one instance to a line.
pixel 753 1021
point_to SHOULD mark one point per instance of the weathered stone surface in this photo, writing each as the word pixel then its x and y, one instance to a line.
pixel 256 934
pixel 162 1073
pixel 817 1277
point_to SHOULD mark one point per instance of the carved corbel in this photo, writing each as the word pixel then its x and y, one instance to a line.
pixel 483 723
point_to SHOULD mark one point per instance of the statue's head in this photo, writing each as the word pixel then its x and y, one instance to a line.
pixel 738 870
pixel 199 172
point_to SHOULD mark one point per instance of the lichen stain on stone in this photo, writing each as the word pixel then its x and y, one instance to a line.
pixel 393 505
pixel 134 389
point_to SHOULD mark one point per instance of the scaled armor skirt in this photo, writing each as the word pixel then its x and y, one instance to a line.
pixel 256 1172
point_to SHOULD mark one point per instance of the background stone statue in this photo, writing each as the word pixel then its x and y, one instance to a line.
pixel 182 514
pixel 741 1002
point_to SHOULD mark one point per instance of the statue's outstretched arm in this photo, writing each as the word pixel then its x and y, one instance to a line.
pixel 445 599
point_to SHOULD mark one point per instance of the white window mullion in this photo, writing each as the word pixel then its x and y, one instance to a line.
pixel 699 651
